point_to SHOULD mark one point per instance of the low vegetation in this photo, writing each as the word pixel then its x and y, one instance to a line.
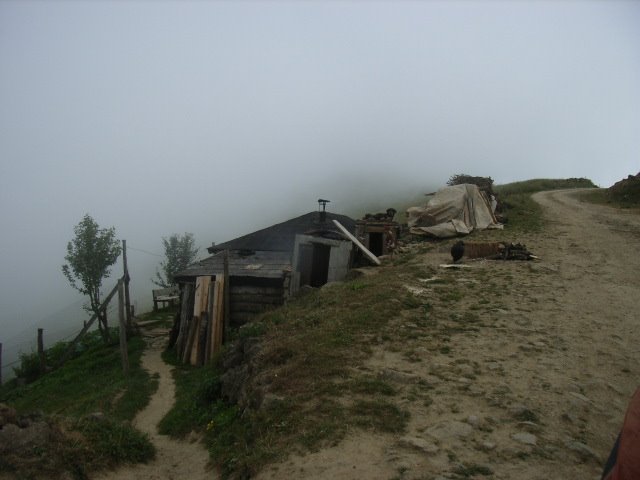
pixel 88 404
pixel 624 194
pixel 309 381
pixel 540 184
pixel 520 211
pixel 305 370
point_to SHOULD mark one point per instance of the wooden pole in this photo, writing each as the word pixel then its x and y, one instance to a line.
pixel 184 319
pixel 41 355
pixel 364 249
pixel 123 328
pixel 127 298
pixel 88 324
pixel 226 293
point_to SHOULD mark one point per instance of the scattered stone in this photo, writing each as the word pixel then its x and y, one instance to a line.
pixel 529 426
pixel 526 438
pixel 583 451
pixel 445 430
pixel 579 396
pixel 398 377
pixel 487 446
pixel 571 417
pixel 523 413
pixel 415 290
pixel 493 366
pixel 473 420
pixel 419 444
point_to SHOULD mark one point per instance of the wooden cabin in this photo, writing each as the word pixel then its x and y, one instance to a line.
pixel 268 265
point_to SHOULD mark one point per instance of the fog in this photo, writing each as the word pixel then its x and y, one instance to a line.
pixel 220 118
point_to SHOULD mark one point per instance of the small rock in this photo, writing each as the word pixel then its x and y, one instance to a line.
pixel 453 429
pixel 473 420
pixel 419 444
pixel 523 413
pixel 579 396
pixel 399 377
pixel 526 438
pixel 493 366
pixel 571 417
pixel 583 451
pixel 529 426
pixel 487 446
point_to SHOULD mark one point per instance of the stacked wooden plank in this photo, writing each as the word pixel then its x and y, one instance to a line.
pixel 201 321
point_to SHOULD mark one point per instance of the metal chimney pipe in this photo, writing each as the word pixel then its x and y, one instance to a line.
pixel 323 214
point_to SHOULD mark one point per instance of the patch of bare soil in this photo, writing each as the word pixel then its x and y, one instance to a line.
pixel 174 459
pixel 521 370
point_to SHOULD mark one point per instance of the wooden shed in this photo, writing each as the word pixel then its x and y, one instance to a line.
pixel 268 265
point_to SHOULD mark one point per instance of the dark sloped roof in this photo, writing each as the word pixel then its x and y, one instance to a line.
pixel 281 237
pixel 258 264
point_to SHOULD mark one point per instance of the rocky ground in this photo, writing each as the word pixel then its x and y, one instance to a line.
pixel 521 370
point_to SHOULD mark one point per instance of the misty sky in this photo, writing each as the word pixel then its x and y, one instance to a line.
pixel 219 118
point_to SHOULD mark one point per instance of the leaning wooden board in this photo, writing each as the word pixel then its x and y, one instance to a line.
pixel 364 249
pixel 199 306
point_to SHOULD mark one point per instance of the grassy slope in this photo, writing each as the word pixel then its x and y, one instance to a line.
pixel 91 382
pixel 313 351
pixel 521 213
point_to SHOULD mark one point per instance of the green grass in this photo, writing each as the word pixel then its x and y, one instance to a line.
pixel 308 352
pixel 198 391
pixel 521 213
pixel 603 196
pixel 310 384
pixel 541 184
pixel 90 382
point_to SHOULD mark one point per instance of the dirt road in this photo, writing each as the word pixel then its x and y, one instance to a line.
pixel 175 460
pixel 526 374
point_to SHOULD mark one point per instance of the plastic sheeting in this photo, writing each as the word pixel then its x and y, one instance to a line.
pixel 453 211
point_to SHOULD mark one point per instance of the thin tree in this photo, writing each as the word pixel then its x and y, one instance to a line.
pixel 89 257
pixel 180 252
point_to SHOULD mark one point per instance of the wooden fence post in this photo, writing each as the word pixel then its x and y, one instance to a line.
pixel 41 355
pixel 123 328
pixel 127 298
pixel 94 317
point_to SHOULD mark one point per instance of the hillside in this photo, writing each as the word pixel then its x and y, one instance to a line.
pixel 412 371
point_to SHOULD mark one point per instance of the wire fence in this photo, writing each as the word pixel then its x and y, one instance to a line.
pixel 14 351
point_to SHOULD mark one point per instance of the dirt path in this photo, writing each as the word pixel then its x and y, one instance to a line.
pixel 174 459
pixel 524 370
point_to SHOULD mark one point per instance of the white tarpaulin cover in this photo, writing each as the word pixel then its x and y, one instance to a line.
pixel 453 211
